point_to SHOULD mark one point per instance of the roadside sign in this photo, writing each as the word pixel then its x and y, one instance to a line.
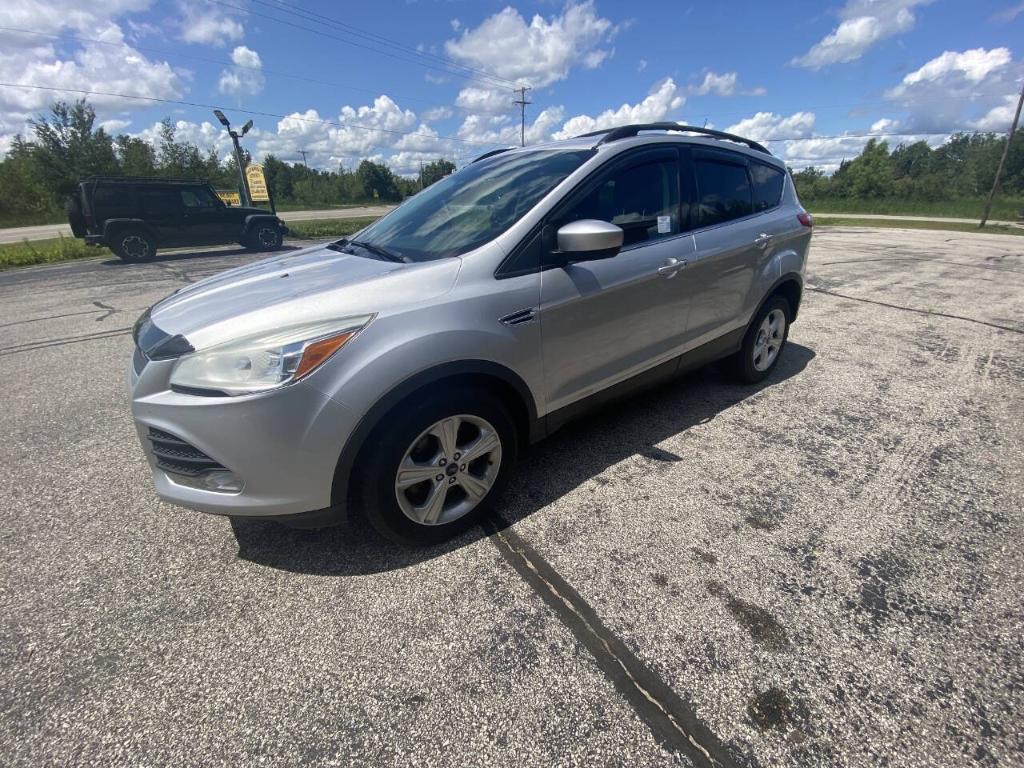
pixel 229 197
pixel 257 183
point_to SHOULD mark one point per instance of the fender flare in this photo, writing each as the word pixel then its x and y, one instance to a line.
pixel 111 227
pixel 384 405
pixel 259 218
pixel 789 277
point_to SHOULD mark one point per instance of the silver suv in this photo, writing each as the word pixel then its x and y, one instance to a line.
pixel 407 367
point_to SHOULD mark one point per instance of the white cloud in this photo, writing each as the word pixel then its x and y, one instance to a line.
pixel 438 113
pixel 768 126
pixel 863 23
pixel 108 66
pixel 720 85
pixel 998 118
pixel 245 77
pixel 662 99
pixel 488 101
pixel 207 24
pixel 539 53
pixel 641 65
pixel 959 90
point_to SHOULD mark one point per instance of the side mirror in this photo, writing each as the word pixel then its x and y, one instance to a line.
pixel 589 240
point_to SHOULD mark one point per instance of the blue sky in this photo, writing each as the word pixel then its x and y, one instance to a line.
pixel 405 82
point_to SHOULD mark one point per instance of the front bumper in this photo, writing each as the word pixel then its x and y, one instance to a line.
pixel 282 445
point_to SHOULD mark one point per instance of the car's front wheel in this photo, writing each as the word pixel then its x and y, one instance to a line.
pixel 436 467
pixel 133 245
pixel 764 342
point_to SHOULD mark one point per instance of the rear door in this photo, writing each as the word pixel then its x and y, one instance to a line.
pixel 604 321
pixel 728 242
pixel 161 209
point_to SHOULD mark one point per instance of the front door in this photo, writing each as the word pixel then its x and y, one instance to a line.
pixel 205 217
pixel 605 321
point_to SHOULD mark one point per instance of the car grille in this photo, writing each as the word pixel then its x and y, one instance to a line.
pixel 178 457
pixel 139 360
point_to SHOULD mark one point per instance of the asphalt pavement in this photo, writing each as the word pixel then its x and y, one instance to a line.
pixel 825 569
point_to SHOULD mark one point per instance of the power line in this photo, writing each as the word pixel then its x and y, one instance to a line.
pixel 287 7
pixel 490 80
pixel 247 112
pixel 211 60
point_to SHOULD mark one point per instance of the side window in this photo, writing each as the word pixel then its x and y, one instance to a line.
pixel 198 197
pixel 723 191
pixel 159 201
pixel 767 186
pixel 112 201
pixel 643 199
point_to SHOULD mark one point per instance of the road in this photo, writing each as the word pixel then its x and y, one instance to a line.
pixel 886 217
pixel 46 231
pixel 822 570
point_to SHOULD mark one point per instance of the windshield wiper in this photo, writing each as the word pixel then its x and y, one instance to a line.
pixel 384 253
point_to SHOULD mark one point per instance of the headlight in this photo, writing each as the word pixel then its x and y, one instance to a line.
pixel 267 360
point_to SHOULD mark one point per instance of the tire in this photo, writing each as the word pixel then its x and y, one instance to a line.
pixel 133 245
pixel 756 359
pixel 264 237
pixel 412 435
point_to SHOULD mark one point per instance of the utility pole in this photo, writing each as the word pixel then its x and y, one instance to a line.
pixel 522 102
pixel 303 153
pixel 239 159
pixel 1002 160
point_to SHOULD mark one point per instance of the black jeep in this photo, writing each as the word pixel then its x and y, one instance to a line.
pixel 134 216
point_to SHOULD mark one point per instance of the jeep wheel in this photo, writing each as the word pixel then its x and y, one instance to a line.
pixel 436 468
pixel 133 245
pixel 764 342
pixel 265 237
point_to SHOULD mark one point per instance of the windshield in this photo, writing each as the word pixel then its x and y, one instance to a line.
pixel 469 208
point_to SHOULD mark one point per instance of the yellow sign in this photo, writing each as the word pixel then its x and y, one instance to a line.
pixel 257 183
pixel 228 197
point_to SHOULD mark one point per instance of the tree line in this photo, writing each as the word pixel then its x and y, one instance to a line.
pixel 963 167
pixel 42 170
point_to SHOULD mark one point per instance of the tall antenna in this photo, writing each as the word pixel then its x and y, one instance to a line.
pixel 522 102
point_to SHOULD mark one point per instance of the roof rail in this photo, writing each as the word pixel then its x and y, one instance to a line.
pixel 492 153
pixel 628 131
pixel 168 179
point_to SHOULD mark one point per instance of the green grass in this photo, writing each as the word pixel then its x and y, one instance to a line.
pixel 1004 208
pixel 31 219
pixel 324 229
pixel 950 226
pixel 45 251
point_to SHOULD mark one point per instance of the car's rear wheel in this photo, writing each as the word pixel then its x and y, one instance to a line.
pixel 764 342
pixel 436 467
pixel 265 237
pixel 133 245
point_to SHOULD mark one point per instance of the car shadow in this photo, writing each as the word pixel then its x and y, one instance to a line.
pixel 578 452
pixel 172 256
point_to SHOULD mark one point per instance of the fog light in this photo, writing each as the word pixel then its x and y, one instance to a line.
pixel 220 481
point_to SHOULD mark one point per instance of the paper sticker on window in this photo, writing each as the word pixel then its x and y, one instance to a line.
pixel 664 225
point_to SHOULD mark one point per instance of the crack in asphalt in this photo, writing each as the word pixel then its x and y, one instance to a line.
pixel 29 346
pixel 927 312
pixel 672 720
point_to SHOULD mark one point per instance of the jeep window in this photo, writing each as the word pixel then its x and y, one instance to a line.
pixel 198 197
pixel 159 202
pixel 767 186
pixel 473 206
pixel 112 201
pixel 723 191
pixel 641 198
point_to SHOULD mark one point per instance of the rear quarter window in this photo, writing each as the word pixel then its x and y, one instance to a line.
pixel 112 201
pixel 768 183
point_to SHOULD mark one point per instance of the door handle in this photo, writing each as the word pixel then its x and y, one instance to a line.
pixel 671 267
pixel 762 240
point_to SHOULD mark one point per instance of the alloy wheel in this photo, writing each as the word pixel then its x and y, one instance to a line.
pixel 770 338
pixel 448 470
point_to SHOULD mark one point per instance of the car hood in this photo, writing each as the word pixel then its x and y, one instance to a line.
pixel 311 285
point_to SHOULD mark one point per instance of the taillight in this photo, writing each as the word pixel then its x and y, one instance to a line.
pixel 806 219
